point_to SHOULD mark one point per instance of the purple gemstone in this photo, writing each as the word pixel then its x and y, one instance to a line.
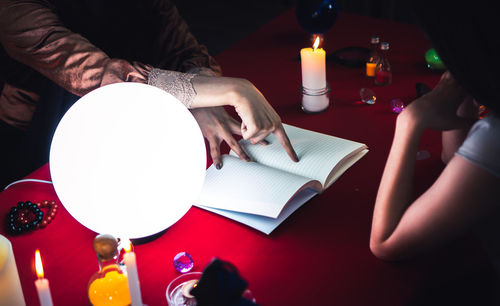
pixel 183 262
pixel 397 105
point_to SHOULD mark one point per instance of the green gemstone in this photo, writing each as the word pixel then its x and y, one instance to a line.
pixel 433 60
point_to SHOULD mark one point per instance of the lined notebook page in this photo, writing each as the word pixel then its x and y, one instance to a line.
pixel 249 187
pixel 318 153
pixel 265 224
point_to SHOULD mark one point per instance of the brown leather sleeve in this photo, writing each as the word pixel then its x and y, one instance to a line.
pixel 32 33
pixel 178 44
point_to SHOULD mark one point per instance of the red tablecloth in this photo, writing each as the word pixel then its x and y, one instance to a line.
pixel 318 256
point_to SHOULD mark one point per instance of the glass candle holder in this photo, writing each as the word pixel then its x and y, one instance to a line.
pixel 315 100
pixel 178 289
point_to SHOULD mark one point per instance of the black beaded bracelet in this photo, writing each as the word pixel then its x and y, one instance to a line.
pixel 27 216
pixel 24 217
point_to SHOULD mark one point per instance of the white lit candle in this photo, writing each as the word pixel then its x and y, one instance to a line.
pixel 11 292
pixel 132 275
pixel 42 284
pixel 313 63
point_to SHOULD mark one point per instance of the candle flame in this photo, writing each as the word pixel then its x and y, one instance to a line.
pixel 316 43
pixel 38 264
pixel 127 245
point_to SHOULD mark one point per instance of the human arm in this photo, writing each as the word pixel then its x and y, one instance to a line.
pixel 462 195
pixel 33 34
pixel 258 117
pixel 82 47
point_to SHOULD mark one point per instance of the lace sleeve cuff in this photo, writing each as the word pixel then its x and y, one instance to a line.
pixel 177 84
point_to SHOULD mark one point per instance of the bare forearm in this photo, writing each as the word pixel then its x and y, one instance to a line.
pixel 217 91
pixel 395 190
pixel 403 226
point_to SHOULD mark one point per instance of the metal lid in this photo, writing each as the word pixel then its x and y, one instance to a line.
pixel 106 246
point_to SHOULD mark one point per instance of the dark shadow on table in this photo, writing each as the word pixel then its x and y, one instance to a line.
pixel 460 275
pixel 476 288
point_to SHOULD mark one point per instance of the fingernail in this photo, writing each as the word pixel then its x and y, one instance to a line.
pixel 218 166
pixel 265 142
pixel 296 158
pixel 247 158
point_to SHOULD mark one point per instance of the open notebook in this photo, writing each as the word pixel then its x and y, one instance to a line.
pixel 263 193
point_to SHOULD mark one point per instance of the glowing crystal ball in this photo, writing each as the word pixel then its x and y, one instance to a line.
pixel 127 159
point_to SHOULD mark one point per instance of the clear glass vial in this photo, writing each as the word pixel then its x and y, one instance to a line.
pixel 371 64
pixel 383 72
pixel 109 285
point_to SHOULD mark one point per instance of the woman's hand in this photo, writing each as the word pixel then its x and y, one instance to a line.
pixel 217 126
pixel 258 117
pixel 438 109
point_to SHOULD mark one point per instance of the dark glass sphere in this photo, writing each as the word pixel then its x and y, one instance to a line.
pixel 316 16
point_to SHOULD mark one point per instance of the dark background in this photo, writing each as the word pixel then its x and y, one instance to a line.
pixel 219 24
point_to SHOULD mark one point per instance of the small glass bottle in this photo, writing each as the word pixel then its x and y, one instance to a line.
pixel 374 57
pixel 109 285
pixel 383 73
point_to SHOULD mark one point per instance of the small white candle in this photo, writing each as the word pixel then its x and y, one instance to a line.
pixel 11 292
pixel 313 63
pixel 187 287
pixel 42 284
pixel 132 275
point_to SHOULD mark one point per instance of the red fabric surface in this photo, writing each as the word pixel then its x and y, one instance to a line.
pixel 318 256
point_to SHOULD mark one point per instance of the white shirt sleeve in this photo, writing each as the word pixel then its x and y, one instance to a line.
pixel 482 145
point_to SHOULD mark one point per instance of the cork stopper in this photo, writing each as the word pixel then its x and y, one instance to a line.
pixel 106 246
